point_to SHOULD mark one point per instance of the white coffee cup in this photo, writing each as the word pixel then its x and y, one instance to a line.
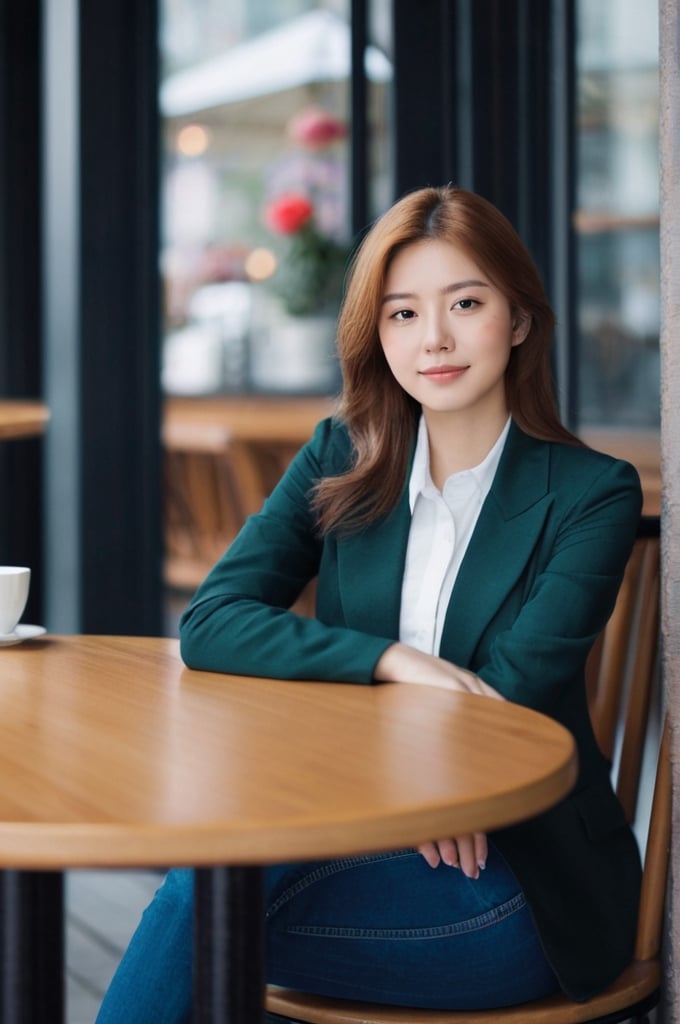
pixel 14 584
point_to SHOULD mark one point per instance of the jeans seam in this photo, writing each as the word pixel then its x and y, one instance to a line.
pixel 489 917
pixel 331 868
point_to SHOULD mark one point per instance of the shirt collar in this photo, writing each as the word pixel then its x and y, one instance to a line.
pixel 483 474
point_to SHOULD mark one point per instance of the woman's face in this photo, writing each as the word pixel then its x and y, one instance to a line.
pixel 447 331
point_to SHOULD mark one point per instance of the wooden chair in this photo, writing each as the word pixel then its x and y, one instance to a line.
pixel 212 483
pixel 620 677
pixel 622 666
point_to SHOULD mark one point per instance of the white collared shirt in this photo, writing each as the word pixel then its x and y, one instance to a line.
pixel 441 527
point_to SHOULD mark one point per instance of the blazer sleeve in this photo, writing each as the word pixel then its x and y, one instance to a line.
pixel 566 597
pixel 238 621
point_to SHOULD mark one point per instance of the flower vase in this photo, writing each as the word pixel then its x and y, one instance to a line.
pixel 296 355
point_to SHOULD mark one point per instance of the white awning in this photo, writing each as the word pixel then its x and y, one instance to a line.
pixel 313 48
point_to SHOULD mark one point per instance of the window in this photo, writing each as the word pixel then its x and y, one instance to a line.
pixel 617 217
pixel 256 217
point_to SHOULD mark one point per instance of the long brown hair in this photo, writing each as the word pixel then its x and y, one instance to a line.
pixel 380 416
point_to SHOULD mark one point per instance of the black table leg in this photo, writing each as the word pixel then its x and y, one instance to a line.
pixel 229 947
pixel 31 947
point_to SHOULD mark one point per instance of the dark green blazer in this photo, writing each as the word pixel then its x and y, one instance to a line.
pixel 537 584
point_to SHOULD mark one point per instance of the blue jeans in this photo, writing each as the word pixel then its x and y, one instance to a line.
pixel 383 928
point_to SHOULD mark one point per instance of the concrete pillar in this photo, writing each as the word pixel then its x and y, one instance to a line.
pixel 669 62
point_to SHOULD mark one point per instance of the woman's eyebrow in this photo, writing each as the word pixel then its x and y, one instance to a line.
pixel 447 290
pixel 398 296
pixel 471 283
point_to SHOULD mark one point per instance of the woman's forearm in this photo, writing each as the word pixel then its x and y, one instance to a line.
pixel 403 664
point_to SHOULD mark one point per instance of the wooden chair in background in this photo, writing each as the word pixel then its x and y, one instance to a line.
pixel 621 672
pixel 212 483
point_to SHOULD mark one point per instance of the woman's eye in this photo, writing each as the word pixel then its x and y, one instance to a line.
pixel 402 314
pixel 466 304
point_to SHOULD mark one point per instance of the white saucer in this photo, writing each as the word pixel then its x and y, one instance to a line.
pixel 20 634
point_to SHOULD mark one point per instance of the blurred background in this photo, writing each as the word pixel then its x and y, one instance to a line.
pixel 182 184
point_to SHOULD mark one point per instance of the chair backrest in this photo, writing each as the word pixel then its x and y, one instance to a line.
pixel 622 666
pixel 652 897
pixel 621 673
pixel 212 483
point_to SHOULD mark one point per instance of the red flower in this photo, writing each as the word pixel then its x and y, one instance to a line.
pixel 288 213
pixel 315 128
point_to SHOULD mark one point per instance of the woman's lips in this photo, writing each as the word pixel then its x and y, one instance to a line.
pixel 443 373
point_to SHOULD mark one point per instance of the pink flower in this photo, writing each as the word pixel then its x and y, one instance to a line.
pixel 315 128
pixel 288 213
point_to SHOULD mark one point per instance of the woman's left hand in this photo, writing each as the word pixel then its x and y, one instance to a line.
pixel 401 663
pixel 465 852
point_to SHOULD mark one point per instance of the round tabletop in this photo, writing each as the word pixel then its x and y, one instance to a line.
pixel 21 419
pixel 115 754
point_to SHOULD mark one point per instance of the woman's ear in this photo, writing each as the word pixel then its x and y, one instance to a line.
pixel 521 324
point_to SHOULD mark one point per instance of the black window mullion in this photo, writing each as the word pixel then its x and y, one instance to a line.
pixel 359 117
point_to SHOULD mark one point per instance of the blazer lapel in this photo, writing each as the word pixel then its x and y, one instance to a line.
pixel 371 564
pixel 370 570
pixel 508 527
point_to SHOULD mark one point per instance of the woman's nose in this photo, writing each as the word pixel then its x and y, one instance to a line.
pixel 437 335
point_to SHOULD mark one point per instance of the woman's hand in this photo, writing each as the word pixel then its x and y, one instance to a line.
pixel 465 852
pixel 403 664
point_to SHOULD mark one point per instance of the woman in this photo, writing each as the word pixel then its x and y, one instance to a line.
pixel 462 538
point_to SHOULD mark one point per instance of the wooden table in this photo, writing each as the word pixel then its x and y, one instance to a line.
pixel 255 419
pixel 114 754
pixel 22 419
